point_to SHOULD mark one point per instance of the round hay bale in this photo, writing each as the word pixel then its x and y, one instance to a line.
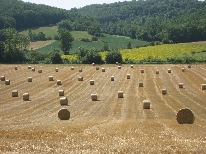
pixel 80 78
pixel 39 71
pixel 2 78
pixel 72 68
pixel 120 94
pixel 93 64
pixel 189 66
pixel 16 68
pixel 203 86
pixel 26 96
pixel 97 68
pixel 29 79
pixel 33 69
pixel 61 92
pixel 141 84
pixel 94 97
pixel 146 104
pixel 103 69
pixel 56 69
pixel 51 78
pixel 128 76
pixel 142 70
pixel 117 63
pixel 14 93
pixel 59 82
pixel 7 82
pixel 29 67
pixel 112 78
pixel 80 70
pixel 64 114
pixel 164 91
pixel 132 66
pixel 185 116
pixel 183 69
pixel 169 71
pixel 91 82
pixel 63 101
pixel 181 85
pixel 157 72
pixel 119 67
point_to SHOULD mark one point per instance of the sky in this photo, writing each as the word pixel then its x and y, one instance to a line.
pixel 68 4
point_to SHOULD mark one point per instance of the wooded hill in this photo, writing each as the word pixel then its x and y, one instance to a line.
pixel 152 20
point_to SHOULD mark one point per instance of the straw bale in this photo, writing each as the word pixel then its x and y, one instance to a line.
pixel 119 67
pixel 132 66
pixel 181 85
pixel 72 68
pixel 128 76
pixel 56 69
pixel 7 82
pixel 94 97
pixel 64 114
pixel 164 91
pixel 26 96
pixel 15 93
pixel 80 70
pixel 103 69
pixel 189 66
pixel 61 92
pixel 93 64
pixel 16 68
pixel 29 67
pixel 51 78
pixel 97 68
pixel 112 78
pixel 39 71
pixel 169 71
pixel 80 78
pixel 59 82
pixel 203 86
pixel 146 104
pixel 183 69
pixel 120 94
pixel 2 78
pixel 29 79
pixel 63 101
pixel 185 116
pixel 157 72
pixel 33 69
pixel 141 84
pixel 142 70
pixel 91 82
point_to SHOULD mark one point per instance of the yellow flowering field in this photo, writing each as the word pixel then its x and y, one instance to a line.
pixel 70 57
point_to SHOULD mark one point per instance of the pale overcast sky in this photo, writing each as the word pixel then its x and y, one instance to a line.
pixel 68 4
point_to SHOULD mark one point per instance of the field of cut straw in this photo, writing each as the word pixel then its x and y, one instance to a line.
pixel 110 124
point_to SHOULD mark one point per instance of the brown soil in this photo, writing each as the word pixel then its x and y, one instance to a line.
pixel 109 125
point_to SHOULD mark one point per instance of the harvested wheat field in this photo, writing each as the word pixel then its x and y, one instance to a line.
pixel 110 124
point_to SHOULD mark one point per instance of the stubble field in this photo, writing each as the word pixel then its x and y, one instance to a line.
pixel 109 125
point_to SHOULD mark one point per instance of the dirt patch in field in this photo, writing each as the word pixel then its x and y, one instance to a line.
pixel 40 44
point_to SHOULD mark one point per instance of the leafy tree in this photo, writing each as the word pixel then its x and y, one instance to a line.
pixel 66 40
pixel 113 57
pixel 129 45
pixel 1 51
pixel 55 57
pixel 105 46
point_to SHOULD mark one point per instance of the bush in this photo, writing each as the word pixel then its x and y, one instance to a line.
pixel 92 57
pixel 113 57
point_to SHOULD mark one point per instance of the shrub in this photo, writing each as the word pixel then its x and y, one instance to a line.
pixel 113 57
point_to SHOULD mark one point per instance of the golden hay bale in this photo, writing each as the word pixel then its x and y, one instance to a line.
pixel 103 69
pixel 132 66
pixel 183 69
pixel 128 76
pixel 112 78
pixel 120 94
pixel 157 72
pixel 141 84
pixel 164 91
pixel 56 69
pixel 33 69
pixel 93 64
pixel 94 97
pixel 16 68
pixel 146 104
pixel 80 70
pixel 203 86
pixel 14 93
pixel 80 78
pixel 63 101
pixel 51 78
pixel 119 67
pixel 169 71
pixel 64 114
pixel 185 116
pixel 189 66
pixel 7 82
pixel 39 71
pixel 142 70
pixel 29 67
pixel 72 68
pixel 97 68
pixel 2 78
pixel 29 79
pixel 61 92
pixel 59 82
pixel 120 64
pixel 117 63
pixel 26 96
pixel 91 82
pixel 181 85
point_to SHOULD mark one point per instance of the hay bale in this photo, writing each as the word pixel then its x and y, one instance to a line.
pixel 80 70
pixel 64 114
pixel 94 97
pixel 80 78
pixel 128 76
pixel 29 79
pixel 59 82
pixel 14 93
pixel 7 82
pixel 164 91
pixel 39 71
pixel 120 64
pixel 183 69
pixel 189 66
pixel 97 68
pixel 93 64
pixel 181 85
pixel 103 69
pixel 63 101
pixel 157 72
pixel 142 70
pixel 51 78
pixel 120 94
pixel 91 82
pixel 185 116
pixel 117 63
pixel 132 66
pixel 16 68
pixel 203 86
pixel 26 96
pixel 33 69
pixel 169 71
pixel 2 78
pixel 112 78
pixel 146 104
pixel 29 67
pixel 61 92
pixel 141 84
pixel 56 69
pixel 119 67
pixel 72 68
